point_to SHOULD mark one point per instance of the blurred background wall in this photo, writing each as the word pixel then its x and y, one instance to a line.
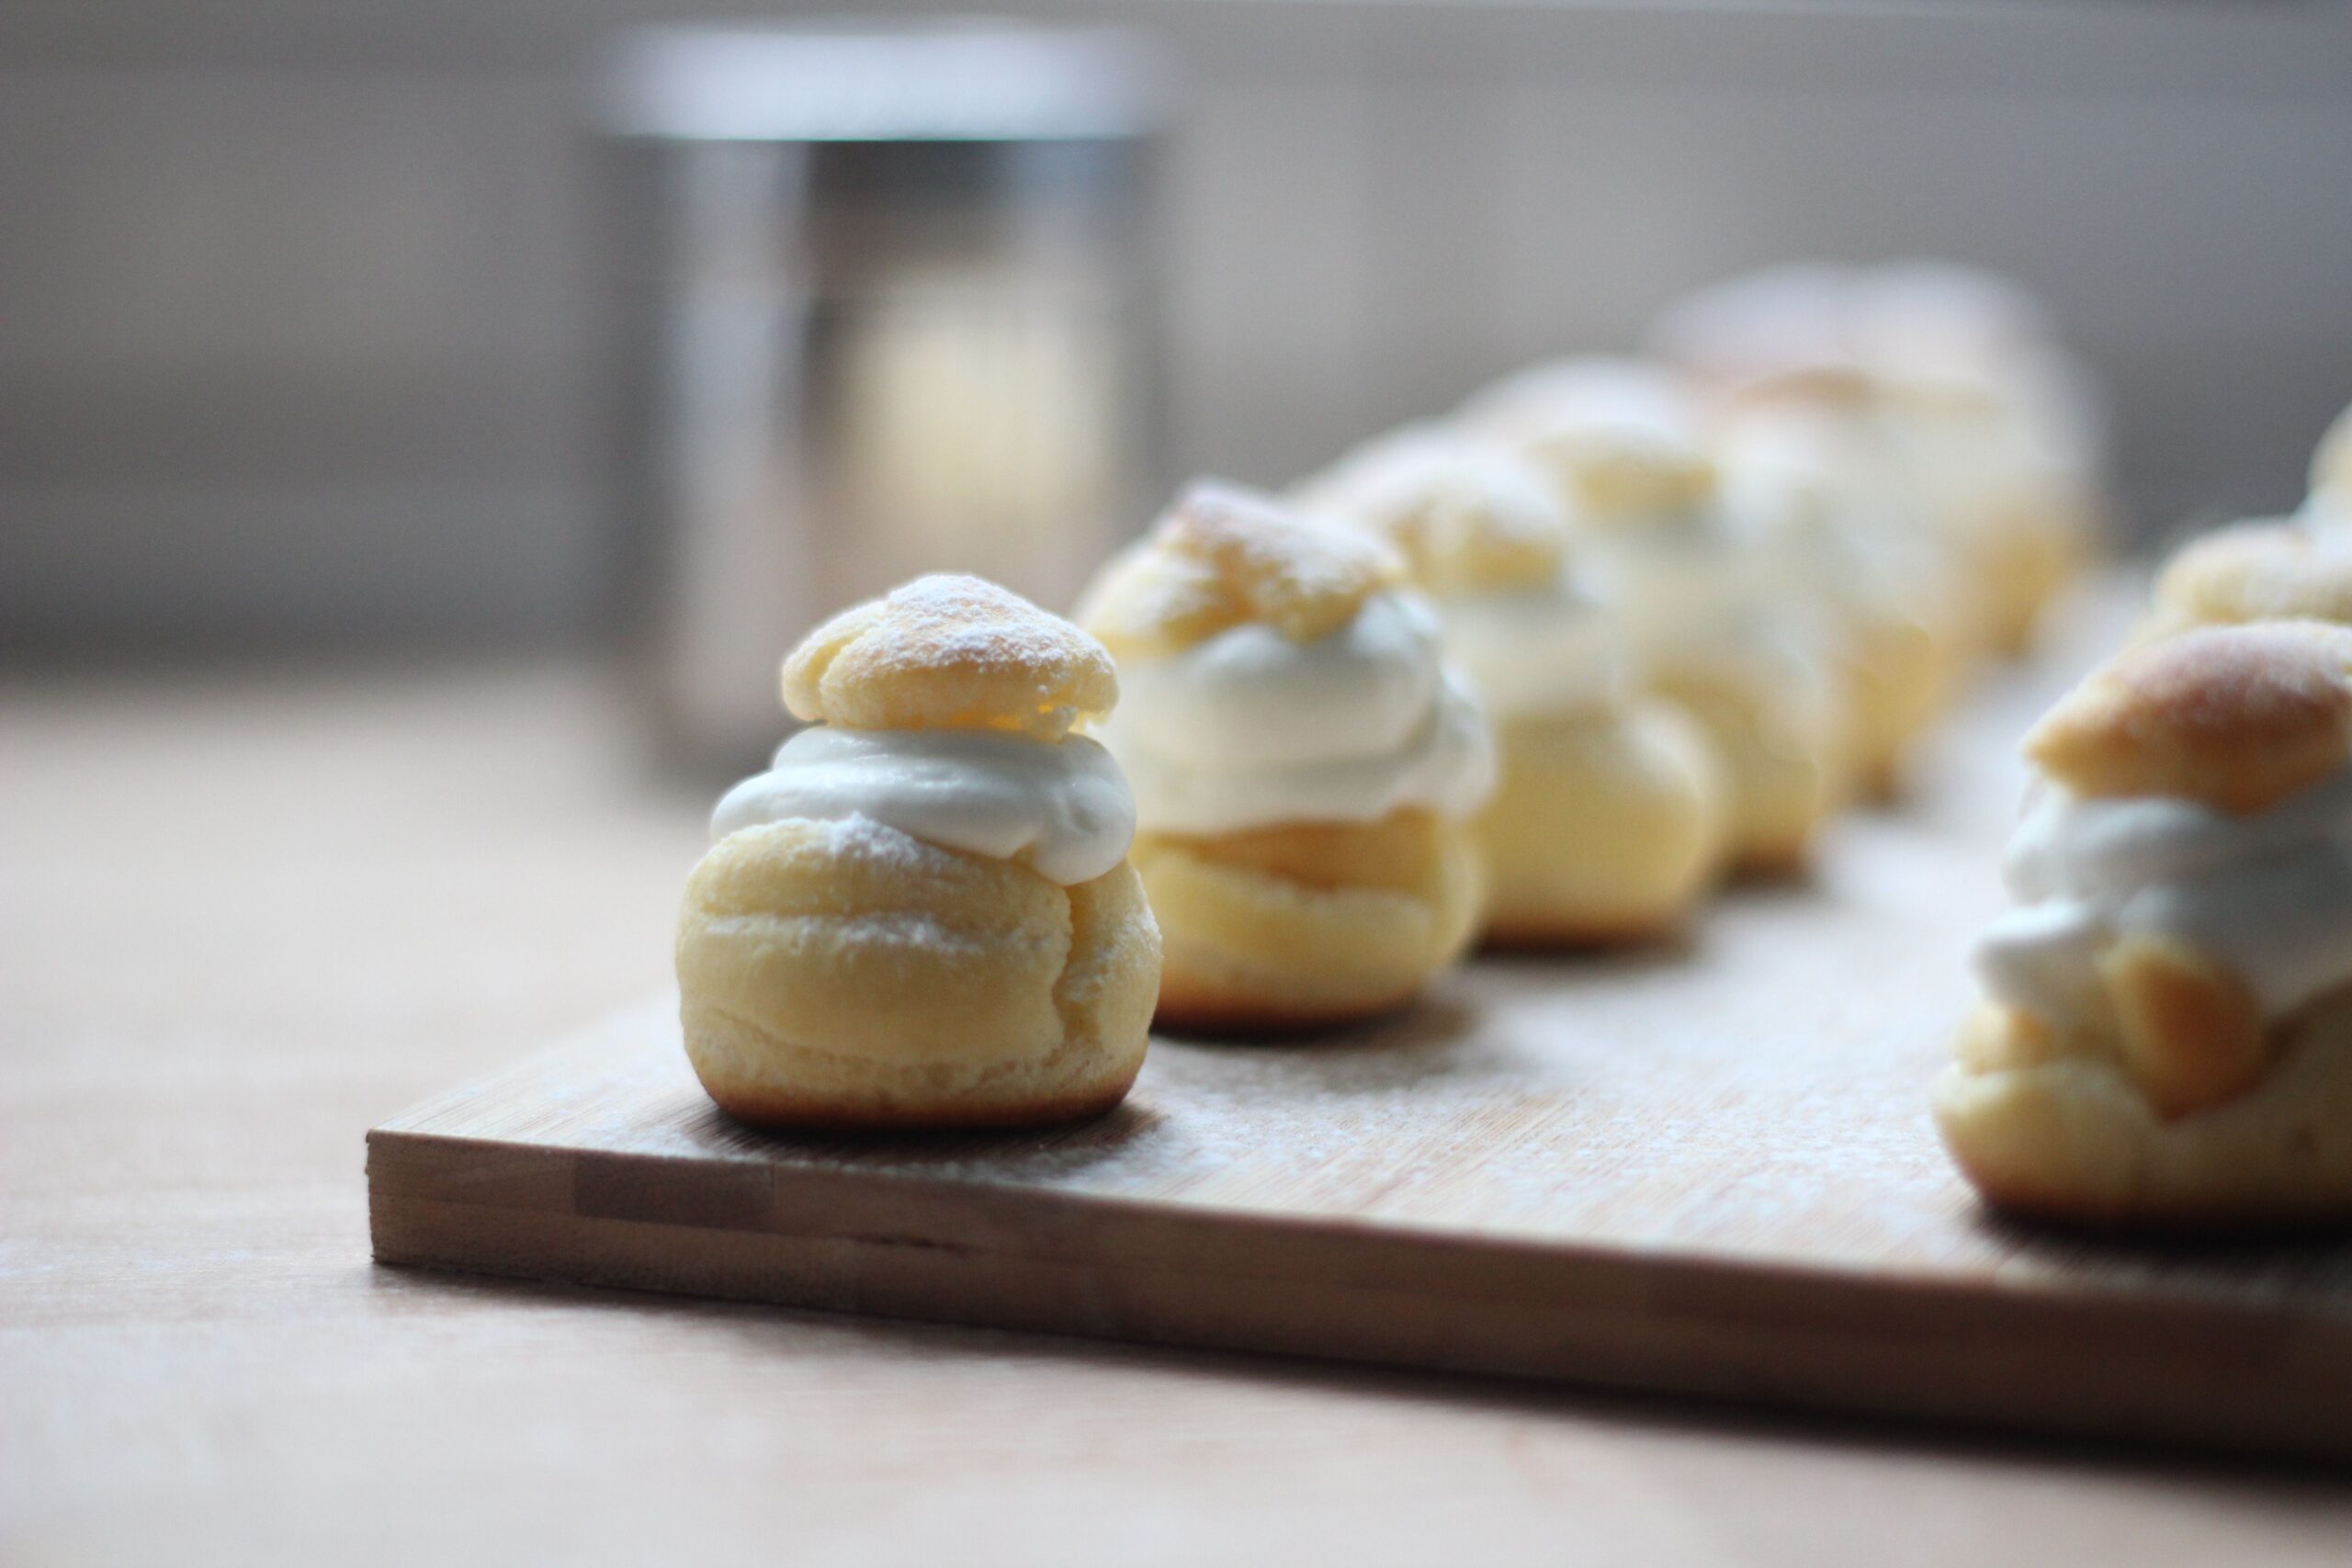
pixel 296 313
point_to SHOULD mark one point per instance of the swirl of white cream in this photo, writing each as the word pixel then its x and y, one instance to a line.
pixel 2267 894
pixel 1247 729
pixel 1062 807
pixel 1548 649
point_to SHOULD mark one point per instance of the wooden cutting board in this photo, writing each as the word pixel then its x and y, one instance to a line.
pixel 1707 1170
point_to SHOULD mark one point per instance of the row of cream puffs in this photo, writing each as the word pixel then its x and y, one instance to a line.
pixel 2167 1030
pixel 1770 555
pixel 1298 810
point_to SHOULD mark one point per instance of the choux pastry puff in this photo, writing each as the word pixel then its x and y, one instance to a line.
pixel 1305 765
pixel 1609 818
pixel 1993 421
pixel 2167 1038
pixel 1712 626
pixel 1802 483
pixel 2295 567
pixel 2270 568
pixel 923 916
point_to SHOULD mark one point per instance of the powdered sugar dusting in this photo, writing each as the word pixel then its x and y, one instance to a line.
pixel 1254 560
pixel 948 651
pixel 860 838
pixel 968 623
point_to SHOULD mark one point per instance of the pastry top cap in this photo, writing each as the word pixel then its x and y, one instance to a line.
pixel 1622 438
pixel 1937 312
pixel 2264 571
pixel 2239 718
pixel 1223 557
pixel 949 652
pixel 1466 515
pixel 1788 329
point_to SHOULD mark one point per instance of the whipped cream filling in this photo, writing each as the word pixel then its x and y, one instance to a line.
pixel 1247 729
pixel 1061 808
pixel 1550 649
pixel 2267 894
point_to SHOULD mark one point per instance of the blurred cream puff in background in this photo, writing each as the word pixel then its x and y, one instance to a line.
pixel 1711 624
pixel 1609 818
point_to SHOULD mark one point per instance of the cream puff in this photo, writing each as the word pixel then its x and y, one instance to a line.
pixel 1305 765
pixel 1609 817
pixel 1712 624
pixel 2167 1036
pixel 2275 569
pixel 1808 487
pixel 2270 568
pixel 1997 429
pixel 924 915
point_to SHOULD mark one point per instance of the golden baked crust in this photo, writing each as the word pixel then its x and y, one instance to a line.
pixel 1466 516
pixel 2265 570
pixel 842 974
pixel 1619 437
pixel 949 652
pixel 1307 925
pixel 1224 557
pixel 2187 1030
pixel 1605 827
pixel 2237 716
pixel 2044 1128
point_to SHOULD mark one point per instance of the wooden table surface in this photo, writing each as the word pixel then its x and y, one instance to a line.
pixel 247 915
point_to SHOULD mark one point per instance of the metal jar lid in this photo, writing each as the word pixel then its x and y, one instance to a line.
pixel 844 79
pixel 955 139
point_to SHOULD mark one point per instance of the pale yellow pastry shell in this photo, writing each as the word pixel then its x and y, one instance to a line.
pixel 1307 925
pixel 1786 765
pixel 1898 676
pixel 863 979
pixel 2073 1137
pixel 1605 826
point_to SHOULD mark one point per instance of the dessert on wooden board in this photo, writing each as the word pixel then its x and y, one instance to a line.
pixel 2168 1032
pixel 922 915
pixel 1608 821
pixel 1701 600
pixel 1673 614
pixel 1538 672
pixel 1306 765
pixel 1711 626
